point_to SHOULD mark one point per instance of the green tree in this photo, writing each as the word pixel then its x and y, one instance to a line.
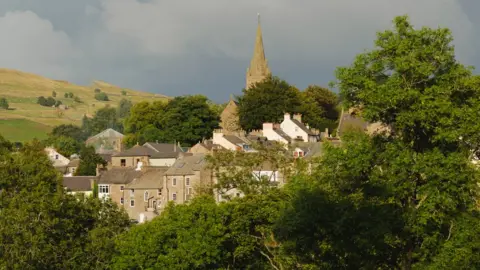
pixel 124 93
pixel 101 96
pixel 97 90
pixel 89 161
pixel 319 107
pixel 87 125
pixel 77 99
pixel 42 227
pixel 105 118
pixel 66 146
pixel 69 130
pixel 3 103
pixel 54 94
pixel 267 101
pixel 124 107
pixel 66 95
pixel 70 95
pixel 42 101
pixel 187 119
pixel 412 82
pixel 202 235
pixel 143 114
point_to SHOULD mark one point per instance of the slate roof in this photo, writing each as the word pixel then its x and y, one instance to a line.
pixel 302 126
pixel 235 139
pixel 163 147
pixel 108 133
pixel 78 183
pixel 187 165
pixel 136 151
pixel 119 176
pixel 152 178
pixel 283 134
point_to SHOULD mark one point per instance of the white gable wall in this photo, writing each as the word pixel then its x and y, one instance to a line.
pixel 292 130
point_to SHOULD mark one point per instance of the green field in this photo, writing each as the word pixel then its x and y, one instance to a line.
pixel 22 130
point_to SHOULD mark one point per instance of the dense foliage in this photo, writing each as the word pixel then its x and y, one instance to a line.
pixel 187 119
pixel 4 103
pixel 47 102
pixel 89 161
pixel 267 101
pixel 42 227
pixel 101 96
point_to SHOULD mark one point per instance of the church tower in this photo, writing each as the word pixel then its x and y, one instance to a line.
pixel 258 69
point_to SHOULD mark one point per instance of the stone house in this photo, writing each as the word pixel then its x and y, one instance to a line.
pixel 143 196
pixel 111 183
pixel 107 141
pixel 182 180
pixel 205 147
pixel 149 154
pixel 72 166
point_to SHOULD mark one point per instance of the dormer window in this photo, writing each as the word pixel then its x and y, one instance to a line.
pixel 56 156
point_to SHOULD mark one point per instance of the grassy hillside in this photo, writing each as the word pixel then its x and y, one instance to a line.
pixel 22 89
pixel 22 130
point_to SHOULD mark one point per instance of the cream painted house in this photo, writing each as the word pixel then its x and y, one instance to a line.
pixel 59 162
pixel 296 130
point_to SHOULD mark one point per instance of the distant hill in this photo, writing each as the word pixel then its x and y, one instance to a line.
pixel 22 90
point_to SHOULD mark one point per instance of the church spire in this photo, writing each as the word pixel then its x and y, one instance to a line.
pixel 258 69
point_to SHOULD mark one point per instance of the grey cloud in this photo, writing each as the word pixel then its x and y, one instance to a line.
pixel 187 47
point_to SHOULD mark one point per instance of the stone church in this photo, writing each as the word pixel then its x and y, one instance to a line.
pixel 257 72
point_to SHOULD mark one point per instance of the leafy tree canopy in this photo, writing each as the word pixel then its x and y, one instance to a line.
pixel 124 107
pixel 267 101
pixel 89 161
pixel 4 103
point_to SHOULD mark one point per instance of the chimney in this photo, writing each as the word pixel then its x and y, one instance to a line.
pixel 276 126
pixel 267 126
pixel 298 117
pixel 286 116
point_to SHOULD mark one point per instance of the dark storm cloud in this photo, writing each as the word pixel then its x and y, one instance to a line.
pixel 187 47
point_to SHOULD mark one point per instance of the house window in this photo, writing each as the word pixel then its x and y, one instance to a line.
pixel 187 181
pixel 103 189
pixel 132 192
pixel 122 201
pixel 138 160
pixel 122 188
pixel 145 196
pixel 159 192
pixel 300 154
pixel 174 181
pixel 123 162
pixel 132 203
pixel 174 196
pixel 56 156
pixel 238 194
pixel 73 170
pixel 189 191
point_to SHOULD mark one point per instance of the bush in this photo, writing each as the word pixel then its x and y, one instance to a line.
pixel 48 102
pixel 3 103
pixel 70 95
pixel 58 103
pixel 77 99
pixel 97 90
pixel 124 93
pixel 54 94
pixel 101 96
pixel 66 95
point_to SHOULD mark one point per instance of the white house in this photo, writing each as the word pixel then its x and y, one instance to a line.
pixel 237 142
pixel 273 133
pixel 296 130
pixel 59 162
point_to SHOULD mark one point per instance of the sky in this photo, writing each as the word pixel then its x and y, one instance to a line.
pixel 204 47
